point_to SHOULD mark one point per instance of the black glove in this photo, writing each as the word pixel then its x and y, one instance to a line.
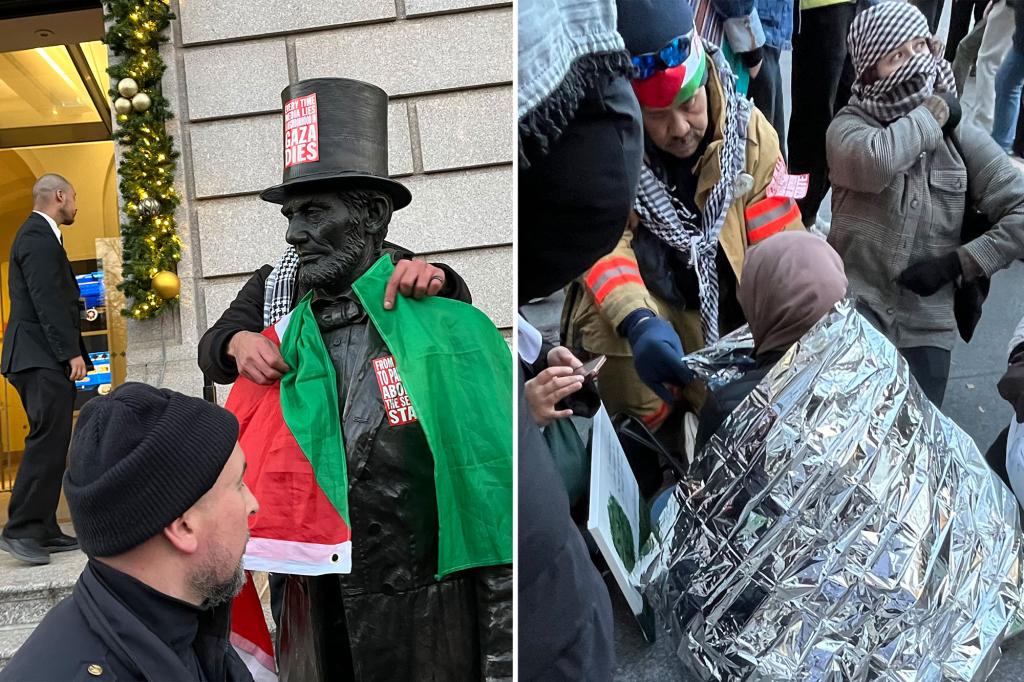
pixel 927 277
pixel 955 112
pixel 945 108
pixel 1011 386
pixel 658 356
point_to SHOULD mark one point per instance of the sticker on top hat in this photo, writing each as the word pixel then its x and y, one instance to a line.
pixel 396 401
pixel 301 131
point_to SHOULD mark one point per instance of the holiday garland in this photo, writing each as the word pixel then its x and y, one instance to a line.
pixel 151 246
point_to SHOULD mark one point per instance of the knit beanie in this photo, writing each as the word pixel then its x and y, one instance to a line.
pixel 140 457
pixel 647 26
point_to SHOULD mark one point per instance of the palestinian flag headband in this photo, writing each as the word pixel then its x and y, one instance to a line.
pixel 676 84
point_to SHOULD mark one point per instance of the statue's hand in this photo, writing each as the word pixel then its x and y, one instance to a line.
pixel 256 357
pixel 415 279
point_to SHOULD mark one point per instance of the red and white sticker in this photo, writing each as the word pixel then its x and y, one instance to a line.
pixel 301 131
pixel 392 391
pixel 785 185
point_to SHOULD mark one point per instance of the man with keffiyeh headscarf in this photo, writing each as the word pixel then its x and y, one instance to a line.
pixel 903 175
pixel 713 183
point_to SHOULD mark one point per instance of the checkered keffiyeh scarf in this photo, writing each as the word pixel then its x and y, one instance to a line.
pixel 279 289
pixel 670 221
pixel 878 31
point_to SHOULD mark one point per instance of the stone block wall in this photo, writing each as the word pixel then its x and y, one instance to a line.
pixel 447 65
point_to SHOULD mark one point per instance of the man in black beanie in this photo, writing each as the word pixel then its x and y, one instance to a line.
pixel 155 489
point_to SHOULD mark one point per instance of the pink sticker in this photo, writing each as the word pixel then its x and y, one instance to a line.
pixel 301 131
pixel 392 391
pixel 785 185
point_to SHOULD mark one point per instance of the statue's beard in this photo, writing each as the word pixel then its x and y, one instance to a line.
pixel 339 268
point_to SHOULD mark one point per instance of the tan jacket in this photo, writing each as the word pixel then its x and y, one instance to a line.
pixel 613 287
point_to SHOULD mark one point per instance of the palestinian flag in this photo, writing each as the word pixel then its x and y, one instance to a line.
pixel 250 635
pixel 291 435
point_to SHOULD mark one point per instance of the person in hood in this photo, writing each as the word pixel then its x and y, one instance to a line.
pixel 705 195
pixel 789 282
pixel 155 489
pixel 903 176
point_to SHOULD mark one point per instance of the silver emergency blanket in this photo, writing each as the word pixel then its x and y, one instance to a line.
pixel 837 527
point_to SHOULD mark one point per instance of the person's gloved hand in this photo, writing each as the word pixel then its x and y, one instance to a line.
pixel 658 356
pixel 945 108
pixel 1011 386
pixel 955 112
pixel 927 277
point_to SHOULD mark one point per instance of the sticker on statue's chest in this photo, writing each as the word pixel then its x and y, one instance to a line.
pixel 397 405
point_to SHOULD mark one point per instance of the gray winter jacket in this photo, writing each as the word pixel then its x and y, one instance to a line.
pixel 899 194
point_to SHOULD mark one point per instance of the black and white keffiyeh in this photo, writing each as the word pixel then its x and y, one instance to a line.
pixel 675 225
pixel 877 32
pixel 279 289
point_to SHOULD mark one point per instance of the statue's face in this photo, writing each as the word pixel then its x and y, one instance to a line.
pixel 338 235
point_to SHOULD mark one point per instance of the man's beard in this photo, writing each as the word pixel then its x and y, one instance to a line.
pixel 207 584
pixel 338 267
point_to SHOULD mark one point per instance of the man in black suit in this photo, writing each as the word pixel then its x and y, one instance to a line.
pixel 43 356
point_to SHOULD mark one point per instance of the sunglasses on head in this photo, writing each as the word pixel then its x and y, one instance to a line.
pixel 670 56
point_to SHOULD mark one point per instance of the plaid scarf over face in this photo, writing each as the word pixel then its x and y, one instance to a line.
pixel 877 32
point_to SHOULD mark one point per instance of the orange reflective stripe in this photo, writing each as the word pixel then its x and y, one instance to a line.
pixel 770 216
pixel 653 421
pixel 610 263
pixel 757 209
pixel 608 285
pixel 610 273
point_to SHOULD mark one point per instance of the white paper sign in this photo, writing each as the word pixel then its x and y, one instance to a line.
pixel 614 518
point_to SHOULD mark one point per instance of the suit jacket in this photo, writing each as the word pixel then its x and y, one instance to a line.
pixel 45 326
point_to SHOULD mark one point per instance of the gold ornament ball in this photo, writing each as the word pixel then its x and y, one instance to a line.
pixel 127 87
pixel 166 285
pixel 141 102
pixel 122 105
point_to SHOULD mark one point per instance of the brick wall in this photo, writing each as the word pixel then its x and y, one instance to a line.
pixel 447 65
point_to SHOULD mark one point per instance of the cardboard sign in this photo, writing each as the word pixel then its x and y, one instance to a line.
pixel 301 131
pixel 396 401
pixel 785 185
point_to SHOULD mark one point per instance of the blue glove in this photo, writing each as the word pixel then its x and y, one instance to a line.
pixel 658 355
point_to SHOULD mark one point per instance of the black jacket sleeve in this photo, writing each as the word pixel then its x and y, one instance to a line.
pixel 455 287
pixel 244 314
pixel 43 262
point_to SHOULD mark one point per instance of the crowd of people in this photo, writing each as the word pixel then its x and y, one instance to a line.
pixel 658 188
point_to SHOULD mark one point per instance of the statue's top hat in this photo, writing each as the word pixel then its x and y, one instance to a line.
pixel 336 131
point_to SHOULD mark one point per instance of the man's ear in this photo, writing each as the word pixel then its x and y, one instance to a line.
pixel 181 534
pixel 378 213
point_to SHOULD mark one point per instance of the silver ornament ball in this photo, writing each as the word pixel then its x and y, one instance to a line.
pixel 127 87
pixel 149 206
pixel 141 102
pixel 122 105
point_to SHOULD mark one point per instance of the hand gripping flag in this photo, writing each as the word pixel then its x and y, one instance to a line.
pixel 291 437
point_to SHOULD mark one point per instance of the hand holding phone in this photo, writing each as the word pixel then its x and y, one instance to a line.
pixel 589 370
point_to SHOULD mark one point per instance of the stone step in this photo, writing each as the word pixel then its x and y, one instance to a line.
pixel 28 592
pixel 11 639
